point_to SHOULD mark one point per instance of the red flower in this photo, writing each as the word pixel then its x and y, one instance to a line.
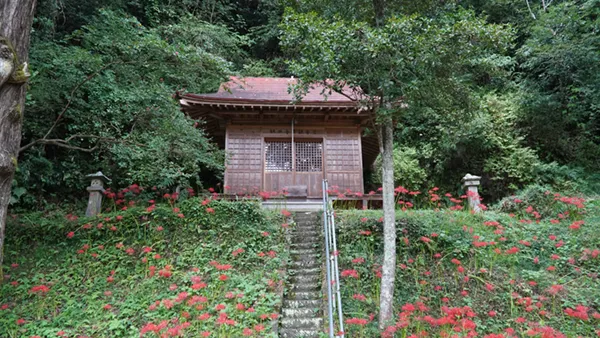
pixel 360 297
pixel 70 234
pixel 358 260
pixel 357 321
pixel 39 289
pixel 350 273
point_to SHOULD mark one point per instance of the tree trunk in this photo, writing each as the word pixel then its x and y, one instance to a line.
pixel 379 8
pixel 16 17
pixel 389 224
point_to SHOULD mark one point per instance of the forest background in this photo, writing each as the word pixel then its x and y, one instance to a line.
pixel 104 75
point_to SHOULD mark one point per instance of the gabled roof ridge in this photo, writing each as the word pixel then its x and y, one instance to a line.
pixel 274 90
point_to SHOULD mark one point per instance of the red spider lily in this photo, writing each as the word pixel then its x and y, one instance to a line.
pixel 165 272
pixel 357 321
pixel 576 225
pixel 40 289
pixel 237 252
pixel 580 312
pixel 350 273
pixel 223 267
pixel 360 297
pixel 358 260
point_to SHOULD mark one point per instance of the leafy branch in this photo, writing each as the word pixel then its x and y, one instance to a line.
pixel 65 142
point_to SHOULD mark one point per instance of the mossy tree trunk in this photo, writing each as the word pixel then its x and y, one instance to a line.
pixel 16 17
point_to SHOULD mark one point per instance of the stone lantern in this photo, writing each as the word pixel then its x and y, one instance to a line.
pixel 96 190
pixel 471 182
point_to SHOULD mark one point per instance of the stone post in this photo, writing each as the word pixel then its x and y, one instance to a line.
pixel 471 182
pixel 96 189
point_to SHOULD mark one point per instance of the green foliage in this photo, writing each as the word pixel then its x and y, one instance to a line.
pixel 499 90
pixel 407 170
pixel 560 67
pixel 413 58
pixel 436 66
pixel 117 78
pixel 121 259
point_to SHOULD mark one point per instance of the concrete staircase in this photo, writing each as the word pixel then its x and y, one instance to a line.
pixel 301 312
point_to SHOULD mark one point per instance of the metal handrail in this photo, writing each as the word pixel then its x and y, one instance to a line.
pixel 334 299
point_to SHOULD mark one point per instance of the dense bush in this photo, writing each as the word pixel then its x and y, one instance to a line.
pixel 175 268
pixel 407 170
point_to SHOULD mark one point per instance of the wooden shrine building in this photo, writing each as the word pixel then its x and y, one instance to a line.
pixel 273 144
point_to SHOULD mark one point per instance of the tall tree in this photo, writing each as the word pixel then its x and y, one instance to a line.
pixel 16 17
pixel 386 145
pixel 402 63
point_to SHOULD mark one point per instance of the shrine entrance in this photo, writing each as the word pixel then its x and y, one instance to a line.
pixel 293 163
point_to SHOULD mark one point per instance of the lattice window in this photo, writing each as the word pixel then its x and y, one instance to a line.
pixel 309 156
pixel 278 156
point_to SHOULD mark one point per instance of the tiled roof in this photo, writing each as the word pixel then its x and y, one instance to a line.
pixel 272 89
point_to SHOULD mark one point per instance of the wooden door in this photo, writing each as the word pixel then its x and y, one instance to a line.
pixel 288 164
pixel 309 166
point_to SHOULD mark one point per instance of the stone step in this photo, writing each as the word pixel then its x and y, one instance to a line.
pixel 314 233
pixel 300 279
pixel 306 257
pixel 302 239
pixel 305 287
pixel 303 295
pixel 304 234
pixel 307 264
pixel 302 323
pixel 301 303
pixel 306 231
pixel 304 246
pixel 300 313
pixel 308 251
pixel 304 271
pixel 306 221
pixel 296 333
pixel 301 217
